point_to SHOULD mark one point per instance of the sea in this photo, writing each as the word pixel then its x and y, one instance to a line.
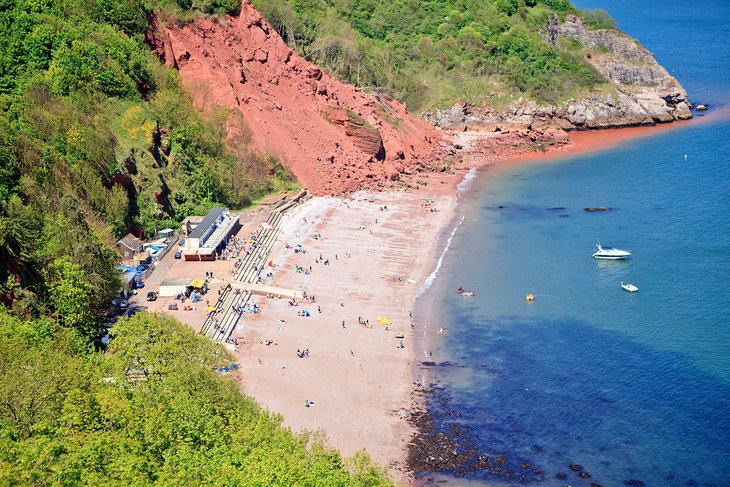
pixel 631 388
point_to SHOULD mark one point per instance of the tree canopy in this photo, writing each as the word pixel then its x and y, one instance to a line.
pixel 152 410
pixel 432 53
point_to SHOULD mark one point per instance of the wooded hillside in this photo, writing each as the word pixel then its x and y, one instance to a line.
pixel 432 53
pixel 97 138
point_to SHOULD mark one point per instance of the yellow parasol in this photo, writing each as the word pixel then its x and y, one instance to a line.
pixel 210 308
pixel 384 320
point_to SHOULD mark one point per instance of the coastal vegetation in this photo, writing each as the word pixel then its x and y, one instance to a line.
pixel 152 410
pixel 433 53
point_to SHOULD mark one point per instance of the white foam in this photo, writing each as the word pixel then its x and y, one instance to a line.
pixel 432 277
pixel 461 188
pixel 466 181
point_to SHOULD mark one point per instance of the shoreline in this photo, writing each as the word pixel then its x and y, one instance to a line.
pixel 361 384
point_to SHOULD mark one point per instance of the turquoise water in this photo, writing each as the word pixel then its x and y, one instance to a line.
pixel 629 386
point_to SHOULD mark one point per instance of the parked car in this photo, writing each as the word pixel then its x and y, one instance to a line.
pixel 178 255
pixel 151 296
pixel 123 304
pixel 139 284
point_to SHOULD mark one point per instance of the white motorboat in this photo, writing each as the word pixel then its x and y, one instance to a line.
pixel 629 287
pixel 605 252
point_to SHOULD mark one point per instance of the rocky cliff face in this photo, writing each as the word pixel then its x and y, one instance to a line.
pixel 640 92
pixel 333 137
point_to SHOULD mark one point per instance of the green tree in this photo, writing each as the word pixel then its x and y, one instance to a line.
pixel 153 346
pixel 19 241
pixel 71 296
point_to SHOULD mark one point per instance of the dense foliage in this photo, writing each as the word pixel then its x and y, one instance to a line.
pixel 98 139
pixel 429 53
pixel 153 409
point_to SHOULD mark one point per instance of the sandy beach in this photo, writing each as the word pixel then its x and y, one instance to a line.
pixel 367 255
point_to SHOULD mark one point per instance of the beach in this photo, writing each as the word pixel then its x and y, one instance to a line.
pixel 365 256
pixel 368 256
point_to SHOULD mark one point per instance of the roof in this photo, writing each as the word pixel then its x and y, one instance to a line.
pixel 131 242
pixel 206 222
pixel 175 282
pixel 192 219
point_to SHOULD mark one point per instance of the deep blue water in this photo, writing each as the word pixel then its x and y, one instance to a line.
pixel 629 386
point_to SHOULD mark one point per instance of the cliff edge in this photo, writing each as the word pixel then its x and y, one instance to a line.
pixel 639 91
pixel 333 137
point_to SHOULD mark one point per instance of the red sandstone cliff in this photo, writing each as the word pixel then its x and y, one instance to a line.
pixel 333 137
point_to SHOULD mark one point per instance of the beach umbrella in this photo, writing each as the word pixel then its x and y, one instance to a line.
pixel 384 320
pixel 209 308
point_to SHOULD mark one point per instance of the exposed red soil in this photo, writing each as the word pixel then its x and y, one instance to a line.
pixel 333 137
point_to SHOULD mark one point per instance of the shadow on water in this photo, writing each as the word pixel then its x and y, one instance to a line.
pixel 548 394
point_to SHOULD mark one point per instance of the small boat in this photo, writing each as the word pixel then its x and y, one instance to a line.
pixel 591 209
pixel 605 252
pixel 530 297
pixel 629 287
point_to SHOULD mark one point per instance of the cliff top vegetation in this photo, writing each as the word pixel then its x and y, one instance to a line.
pixel 432 53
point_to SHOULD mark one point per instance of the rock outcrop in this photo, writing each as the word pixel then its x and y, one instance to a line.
pixel 332 136
pixel 640 91
pixel 364 136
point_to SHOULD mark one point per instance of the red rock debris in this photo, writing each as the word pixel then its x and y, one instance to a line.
pixel 332 136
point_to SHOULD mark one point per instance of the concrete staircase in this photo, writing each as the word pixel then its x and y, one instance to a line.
pixel 252 266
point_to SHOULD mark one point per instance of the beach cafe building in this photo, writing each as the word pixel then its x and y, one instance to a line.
pixel 210 235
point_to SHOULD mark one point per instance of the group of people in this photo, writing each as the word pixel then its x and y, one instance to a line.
pixel 234 247
pixel 241 308
pixel 303 353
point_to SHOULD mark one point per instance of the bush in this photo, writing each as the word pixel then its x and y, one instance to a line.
pixel 597 18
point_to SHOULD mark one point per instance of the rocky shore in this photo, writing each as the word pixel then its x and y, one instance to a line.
pixel 638 91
